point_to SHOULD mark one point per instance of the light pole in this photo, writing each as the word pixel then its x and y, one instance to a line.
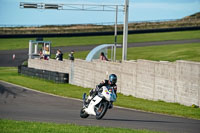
pixel 115 34
pixel 125 31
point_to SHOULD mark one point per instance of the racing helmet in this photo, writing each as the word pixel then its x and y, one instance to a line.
pixel 113 79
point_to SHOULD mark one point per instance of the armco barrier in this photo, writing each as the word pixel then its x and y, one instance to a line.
pixel 44 74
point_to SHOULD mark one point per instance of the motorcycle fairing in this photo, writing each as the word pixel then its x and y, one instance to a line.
pixel 94 101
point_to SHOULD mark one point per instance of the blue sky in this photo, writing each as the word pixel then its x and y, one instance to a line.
pixel 140 10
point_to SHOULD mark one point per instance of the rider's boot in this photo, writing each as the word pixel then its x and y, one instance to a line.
pixel 110 106
pixel 92 95
pixel 88 99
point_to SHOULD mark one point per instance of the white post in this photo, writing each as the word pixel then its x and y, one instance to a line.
pixel 115 33
pixel 111 55
pixel 36 48
pixel 30 50
pixel 125 31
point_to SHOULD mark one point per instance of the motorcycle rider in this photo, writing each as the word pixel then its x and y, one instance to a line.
pixel 110 83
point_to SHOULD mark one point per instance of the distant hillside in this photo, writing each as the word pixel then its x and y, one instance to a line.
pixel 188 21
pixel 193 16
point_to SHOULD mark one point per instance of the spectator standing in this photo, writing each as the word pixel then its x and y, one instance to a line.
pixel 46 52
pixel 71 55
pixel 59 55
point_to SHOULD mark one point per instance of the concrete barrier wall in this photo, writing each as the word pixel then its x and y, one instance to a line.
pixel 165 79
pixel 187 87
pixel 171 82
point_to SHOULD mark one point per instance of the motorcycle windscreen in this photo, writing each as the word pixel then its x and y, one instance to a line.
pixel 113 97
pixel 109 94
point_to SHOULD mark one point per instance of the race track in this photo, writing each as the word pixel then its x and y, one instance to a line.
pixel 22 54
pixel 20 103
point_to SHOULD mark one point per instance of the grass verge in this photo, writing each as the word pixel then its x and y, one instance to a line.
pixel 190 52
pixel 10 126
pixel 67 90
pixel 20 43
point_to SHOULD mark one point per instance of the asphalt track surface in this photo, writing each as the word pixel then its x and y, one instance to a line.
pixel 19 103
pixel 22 54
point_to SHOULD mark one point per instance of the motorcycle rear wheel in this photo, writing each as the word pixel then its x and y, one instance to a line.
pixel 83 114
pixel 101 110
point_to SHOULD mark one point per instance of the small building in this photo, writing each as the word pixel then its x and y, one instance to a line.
pixel 39 49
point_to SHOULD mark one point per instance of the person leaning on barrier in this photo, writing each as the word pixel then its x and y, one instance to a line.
pixel 46 52
pixel 59 55
pixel 103 57
pixel 71 55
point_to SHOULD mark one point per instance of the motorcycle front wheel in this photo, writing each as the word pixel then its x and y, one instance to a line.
pixel 83 114
pixel 101 110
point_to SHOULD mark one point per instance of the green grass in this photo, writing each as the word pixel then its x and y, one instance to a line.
pixel 162 107
pixel 190 52
pixel 67 90
pixel 20 43
pixel 10 74
pixel 79 55
pixel 10 126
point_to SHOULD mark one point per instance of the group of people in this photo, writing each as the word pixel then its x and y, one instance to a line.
pixel 59 55
pixel 45 53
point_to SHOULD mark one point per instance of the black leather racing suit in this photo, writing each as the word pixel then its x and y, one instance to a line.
pixel 93 92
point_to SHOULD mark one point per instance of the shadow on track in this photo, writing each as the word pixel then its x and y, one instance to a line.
pixel 151 121
pixel 7 92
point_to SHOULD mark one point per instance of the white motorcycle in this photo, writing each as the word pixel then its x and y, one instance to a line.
pixel 99 104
